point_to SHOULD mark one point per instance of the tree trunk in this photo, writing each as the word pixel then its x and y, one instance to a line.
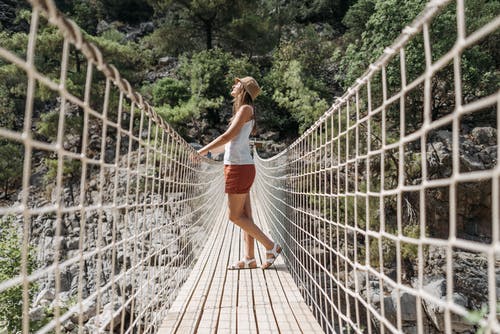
pixel 208 32
pixel 71 189
pixel 78 61
pixel 80 141
pixel 6 189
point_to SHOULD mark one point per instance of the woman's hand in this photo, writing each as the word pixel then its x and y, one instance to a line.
pixel 194 157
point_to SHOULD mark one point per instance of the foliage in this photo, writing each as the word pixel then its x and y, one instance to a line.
pixel 188 111
pixel 199 97
pixel 356 17
pixel 311 47
pixel 250 33
pixel 169 91
pixel 86 13
pixel 130 11
pixel 131 60
pixel 10 266
pixel 202 19
pixel 475 317
pixel 410 251
pixel 301 52
pixel 113 35
pixel 379 32
pixel 70 168
pixel 165 39
pixel 291 93
pixel 11 164
pixel 479 75
pixel 329 11
pixel 12 93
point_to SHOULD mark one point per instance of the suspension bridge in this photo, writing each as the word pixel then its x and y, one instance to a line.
pixel 144 242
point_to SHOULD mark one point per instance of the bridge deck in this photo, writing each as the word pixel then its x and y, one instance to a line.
pixel 217 300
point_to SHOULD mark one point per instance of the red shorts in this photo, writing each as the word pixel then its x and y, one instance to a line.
pixel 239 178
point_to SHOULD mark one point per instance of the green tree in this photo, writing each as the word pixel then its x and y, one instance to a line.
pixel 130 11
pixel 200 98
pixel 86 13
pixel 324 11
pixel 242 27
pixel 11 300
pixel 378 33
pixel 356 17
pixel 291 93
pixel 170 91
pixel 205 17
pixel 385 23
pixel 11 165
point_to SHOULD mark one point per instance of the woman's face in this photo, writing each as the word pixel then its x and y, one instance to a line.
pixel 236 89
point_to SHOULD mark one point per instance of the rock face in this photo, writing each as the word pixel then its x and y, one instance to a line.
pixel 8 10
pixel 148 235
pixel 437 288
pixel 477 151
pixel 132 33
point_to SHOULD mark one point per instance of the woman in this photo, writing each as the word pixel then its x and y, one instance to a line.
pixel 239 171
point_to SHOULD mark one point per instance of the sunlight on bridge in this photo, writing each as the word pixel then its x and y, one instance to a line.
pixel 373 205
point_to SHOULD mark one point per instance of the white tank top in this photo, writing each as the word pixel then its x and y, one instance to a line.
pixel 237 151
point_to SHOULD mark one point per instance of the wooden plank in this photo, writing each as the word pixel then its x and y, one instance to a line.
pixel 262 301
pixel 177 310
pixel 302 312
pixel 245 313
pixel 284 314
pixel 210 315
pixel 194 309
pixel 227 308
pixel 217 300
pixel 291 312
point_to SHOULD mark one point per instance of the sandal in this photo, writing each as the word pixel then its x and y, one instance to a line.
pixel 236 265
pixel 275 253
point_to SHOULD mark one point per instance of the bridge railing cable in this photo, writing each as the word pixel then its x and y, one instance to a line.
pixel 382 207
pixel 113 208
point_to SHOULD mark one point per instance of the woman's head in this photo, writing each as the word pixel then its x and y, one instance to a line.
pixel 246 84
pixel 245 91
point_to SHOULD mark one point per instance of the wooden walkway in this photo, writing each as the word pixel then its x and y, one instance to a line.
pixel 217 300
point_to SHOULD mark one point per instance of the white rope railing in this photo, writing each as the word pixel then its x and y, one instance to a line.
pixel 355 201
pixel 115 243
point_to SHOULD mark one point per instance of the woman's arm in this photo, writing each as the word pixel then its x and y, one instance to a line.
pixel 217 150
pixel 243 115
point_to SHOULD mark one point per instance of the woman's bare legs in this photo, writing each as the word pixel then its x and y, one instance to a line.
pixel 240 214
pixel 249 240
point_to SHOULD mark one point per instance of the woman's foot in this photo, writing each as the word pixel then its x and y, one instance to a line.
pixel 271 255
pixel 245 263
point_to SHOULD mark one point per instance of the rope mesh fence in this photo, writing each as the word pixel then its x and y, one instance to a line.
pixel 113 209
pixel 389 224
pixel 389 205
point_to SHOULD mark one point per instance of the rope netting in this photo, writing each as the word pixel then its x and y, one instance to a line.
pixel 390 220
pixel 113 209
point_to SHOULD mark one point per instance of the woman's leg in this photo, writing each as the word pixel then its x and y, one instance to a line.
pixel 236 204
pixel 249 240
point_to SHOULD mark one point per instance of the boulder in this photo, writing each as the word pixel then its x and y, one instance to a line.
pixel 37 313
pixel 165 61
pixel 484 136
pixel 437 288
pixel 45 294
pixel 87 311
pixel 408 304
pixel 270 135
pixel 102 26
